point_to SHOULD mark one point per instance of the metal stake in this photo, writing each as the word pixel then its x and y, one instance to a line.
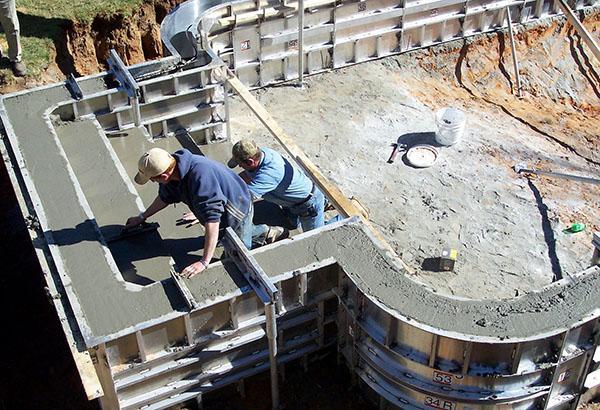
pixel 300 42
pixel 137 115
pixel 514 52
pixel 226 101
pixel 585 35
pixel 272 338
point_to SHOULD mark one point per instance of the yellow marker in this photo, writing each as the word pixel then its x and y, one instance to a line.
pixel 447 259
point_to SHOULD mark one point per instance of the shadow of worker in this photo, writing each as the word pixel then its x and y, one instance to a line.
pixel 48 28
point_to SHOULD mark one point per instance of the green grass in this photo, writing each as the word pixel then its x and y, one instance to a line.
pixel 37 54
pixel 42 22
pixel 81 10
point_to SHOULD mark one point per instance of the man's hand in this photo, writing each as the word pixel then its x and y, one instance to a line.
pixel 193 269
pixel 134 221
pixel 189 217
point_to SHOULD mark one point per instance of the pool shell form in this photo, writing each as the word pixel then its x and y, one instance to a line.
pixel 339 285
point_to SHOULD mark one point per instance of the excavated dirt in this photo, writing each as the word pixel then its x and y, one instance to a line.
pixel 135 37
pixel 82 47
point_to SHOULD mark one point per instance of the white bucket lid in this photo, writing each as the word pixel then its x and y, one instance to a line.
pixel 422 155
pixel 450 116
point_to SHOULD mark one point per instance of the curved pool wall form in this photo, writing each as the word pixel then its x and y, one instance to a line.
pixel 262 41
pixel 141 338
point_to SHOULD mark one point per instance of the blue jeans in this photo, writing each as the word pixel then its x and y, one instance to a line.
pixel 259 234
pixel 334 219
pixel 245 228
pixel 309 215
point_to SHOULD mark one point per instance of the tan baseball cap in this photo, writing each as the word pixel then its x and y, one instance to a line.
pixel 154 162
pixel 241 151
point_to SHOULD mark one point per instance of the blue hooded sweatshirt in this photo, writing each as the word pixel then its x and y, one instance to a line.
pixel 213 192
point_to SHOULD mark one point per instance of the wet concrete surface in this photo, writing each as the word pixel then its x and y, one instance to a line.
pixel 106 304
pixel 110 304
pixel 382 279
pixel 47 367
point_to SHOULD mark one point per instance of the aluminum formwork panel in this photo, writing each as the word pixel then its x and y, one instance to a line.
pixel 246 53
pixel 400 361
pixel 227 343
pixel 341 33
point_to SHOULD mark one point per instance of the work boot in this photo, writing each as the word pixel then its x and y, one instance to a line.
pixel 276 233
pixel 18 68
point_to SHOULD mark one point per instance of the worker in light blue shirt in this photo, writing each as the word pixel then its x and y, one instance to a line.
pixel 275 179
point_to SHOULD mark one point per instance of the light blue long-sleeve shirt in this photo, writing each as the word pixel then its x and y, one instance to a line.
pixel 276 180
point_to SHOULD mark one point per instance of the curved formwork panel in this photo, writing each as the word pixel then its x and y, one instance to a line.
pixel 262 40
pixel 412 366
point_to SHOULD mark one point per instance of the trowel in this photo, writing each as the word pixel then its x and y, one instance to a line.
pixel 134 231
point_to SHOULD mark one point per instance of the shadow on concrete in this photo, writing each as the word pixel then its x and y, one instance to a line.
pixel 416 138
pixel 431 264
pixel 144 246
pixel 548 232
pixel 409 140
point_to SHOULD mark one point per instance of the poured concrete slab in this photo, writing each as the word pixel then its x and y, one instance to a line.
pixel 79 180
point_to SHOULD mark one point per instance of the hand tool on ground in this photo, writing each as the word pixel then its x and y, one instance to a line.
pixel 522 169
pixel 574 228
pixel 397 147
pixel 134 231
pixel 181 286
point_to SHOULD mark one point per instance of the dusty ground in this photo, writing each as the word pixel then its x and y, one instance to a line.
pixel 508 230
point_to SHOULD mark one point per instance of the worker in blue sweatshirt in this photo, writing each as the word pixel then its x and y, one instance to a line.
pixel 217 197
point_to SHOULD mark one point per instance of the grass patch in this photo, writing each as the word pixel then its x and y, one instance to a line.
pixel 42 23
pixel 79 10
pixel 37 54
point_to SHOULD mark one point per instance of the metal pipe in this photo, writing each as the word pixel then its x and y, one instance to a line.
pixel 588 180
pixel 226 102
pixel 137 115
pixel 585 35
pixel 271 325
pixel 300 42
pixel 514 52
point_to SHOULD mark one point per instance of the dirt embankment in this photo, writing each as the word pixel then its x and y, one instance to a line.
pixel 560 86
pixel 135 37
pixel 82 48
pixel 557 102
